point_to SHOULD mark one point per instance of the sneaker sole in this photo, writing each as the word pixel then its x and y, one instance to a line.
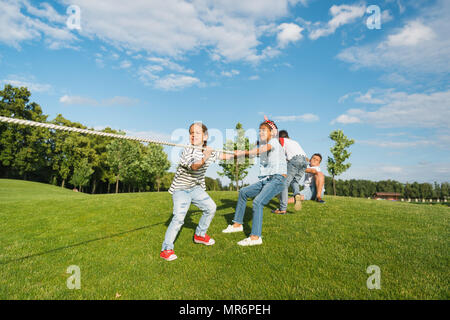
pixel 298 203
pixel 233 231
pixel 205 243
pixel 171 258
pixel 250 244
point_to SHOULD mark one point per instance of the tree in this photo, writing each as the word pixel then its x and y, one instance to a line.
pixel 237 169
pixel 445 190
pixel 23 149
pixel 336 165
pixel 165 181
pixel 121 155
pixel 212 184
pixel 426 190
pixel 69 148
pixel 81 174
pixel 102 171
pixel 154 164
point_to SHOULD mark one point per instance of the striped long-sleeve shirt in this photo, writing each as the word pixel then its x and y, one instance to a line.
pixel 185 177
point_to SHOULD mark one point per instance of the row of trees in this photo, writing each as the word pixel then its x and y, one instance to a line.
pixel 366 188
pixel 67 158
pixel 94 164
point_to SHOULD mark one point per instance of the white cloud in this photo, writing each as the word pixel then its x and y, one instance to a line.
pixel 86 101
pixel 46 11
pixel 368 97
pixel 288 32
pixel 391 169
pixel 168 64
pixel 307 117
pixel 175 82
pixel 29 82
pixel 346 119
pixel 414 33
pixel 341 15
pixel 45 23
pixel 386 16
pixel 401 109
pixel 230 74
pixel 421 45
pixel 254 77
pixel 151 75
pixel 401 7
pixel 395 78
pixel 125 64
pixel 228 29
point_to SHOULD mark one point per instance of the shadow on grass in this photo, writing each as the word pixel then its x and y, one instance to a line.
pixel 224 204
pixel 248 216
pixel 78 244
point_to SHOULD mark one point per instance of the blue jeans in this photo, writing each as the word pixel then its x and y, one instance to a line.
pixel 262 192
pixel 310 192
pixel 295 170
pixel 181 201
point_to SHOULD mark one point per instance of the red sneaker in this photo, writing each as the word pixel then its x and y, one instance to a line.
pixel 168 255
pixel 206 240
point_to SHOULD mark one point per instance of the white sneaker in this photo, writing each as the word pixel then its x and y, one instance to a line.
pixel 231 229
pixel 249 242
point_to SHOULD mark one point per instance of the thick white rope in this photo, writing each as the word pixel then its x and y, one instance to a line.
pixel 98 133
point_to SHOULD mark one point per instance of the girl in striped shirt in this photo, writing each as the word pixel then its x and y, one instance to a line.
pixel 188 186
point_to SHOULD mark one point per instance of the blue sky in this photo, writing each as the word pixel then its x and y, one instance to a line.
pixel 151 68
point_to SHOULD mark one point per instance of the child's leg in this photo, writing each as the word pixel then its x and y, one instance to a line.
pixel 295 187
pixel 181 203
pixel 301 165
pixel 320 181
pixel 284 194
pixel 307 193
pixel 204 202
pixel 245 193
pixel 270 190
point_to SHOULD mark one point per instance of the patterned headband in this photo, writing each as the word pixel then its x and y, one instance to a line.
pixel 270 123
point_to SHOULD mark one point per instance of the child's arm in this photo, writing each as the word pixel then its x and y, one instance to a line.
pixel 254 152
pixel 197 165
pixel 226 156
pixel 311 170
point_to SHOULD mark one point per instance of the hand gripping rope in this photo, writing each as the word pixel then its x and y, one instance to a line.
pixel 98 133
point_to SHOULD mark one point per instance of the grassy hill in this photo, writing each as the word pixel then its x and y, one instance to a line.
pixel 321 252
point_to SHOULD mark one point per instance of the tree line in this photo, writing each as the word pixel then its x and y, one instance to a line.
pixel 98 164
pixel 367 188
pixel 87 162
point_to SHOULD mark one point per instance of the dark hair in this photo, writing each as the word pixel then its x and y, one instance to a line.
pixel 283 134
pixel 317 154
pixel 204 129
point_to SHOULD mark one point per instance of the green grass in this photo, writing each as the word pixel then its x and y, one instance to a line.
pixel 321 252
